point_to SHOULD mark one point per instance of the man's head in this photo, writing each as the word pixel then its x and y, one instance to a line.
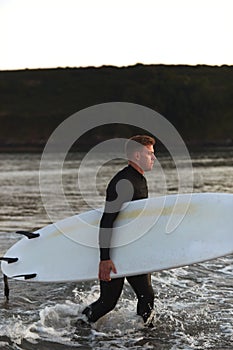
pixel 140 152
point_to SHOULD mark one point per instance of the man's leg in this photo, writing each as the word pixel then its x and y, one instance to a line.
pixel 109 295
pixel 142 287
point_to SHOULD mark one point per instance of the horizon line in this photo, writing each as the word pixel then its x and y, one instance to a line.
pixel 116 66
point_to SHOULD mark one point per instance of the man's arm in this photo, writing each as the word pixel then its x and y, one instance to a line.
pixel 106 265
pixel 105 232
pixel 119 191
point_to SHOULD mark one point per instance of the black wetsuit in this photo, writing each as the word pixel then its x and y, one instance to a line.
pixel 127 185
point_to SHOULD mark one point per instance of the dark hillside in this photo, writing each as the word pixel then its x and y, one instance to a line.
pixel 198 100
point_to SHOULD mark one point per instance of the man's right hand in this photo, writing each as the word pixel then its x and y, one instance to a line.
pixel 105 268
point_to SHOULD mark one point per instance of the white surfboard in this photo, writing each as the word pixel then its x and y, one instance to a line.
pixel 150 235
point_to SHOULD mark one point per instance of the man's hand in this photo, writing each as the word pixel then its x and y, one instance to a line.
pixel 105 267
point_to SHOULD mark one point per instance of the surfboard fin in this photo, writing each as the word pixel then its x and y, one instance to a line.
pixel 5 278
pixel 26 276
pixel 28 234
pixel 9 260
pixel 6 287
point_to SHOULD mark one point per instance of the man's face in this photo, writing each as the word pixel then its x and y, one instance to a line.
pixel 146 158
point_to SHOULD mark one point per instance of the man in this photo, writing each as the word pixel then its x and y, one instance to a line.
pixel 129 184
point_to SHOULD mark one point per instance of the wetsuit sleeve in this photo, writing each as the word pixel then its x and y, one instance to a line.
pixel 105 234
pixel 118 192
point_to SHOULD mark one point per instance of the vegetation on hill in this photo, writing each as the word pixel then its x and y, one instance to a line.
pixel 197 100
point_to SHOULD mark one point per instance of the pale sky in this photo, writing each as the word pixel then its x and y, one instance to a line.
pixel 74 33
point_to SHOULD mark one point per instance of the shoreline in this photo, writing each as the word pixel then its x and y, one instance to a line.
pixel 38 148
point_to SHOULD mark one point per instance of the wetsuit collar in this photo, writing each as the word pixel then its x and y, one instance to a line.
pixel 136 168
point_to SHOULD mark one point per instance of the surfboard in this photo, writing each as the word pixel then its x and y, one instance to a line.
pixel 149 235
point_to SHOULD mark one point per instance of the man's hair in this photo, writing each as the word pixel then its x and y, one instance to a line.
pixel 135 143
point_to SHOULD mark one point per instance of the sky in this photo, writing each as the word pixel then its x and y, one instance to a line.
pixel 81 33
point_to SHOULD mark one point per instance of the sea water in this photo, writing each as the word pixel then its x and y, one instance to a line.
pixel 193 304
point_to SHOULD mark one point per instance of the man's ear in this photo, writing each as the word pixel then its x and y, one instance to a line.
pixel 137 155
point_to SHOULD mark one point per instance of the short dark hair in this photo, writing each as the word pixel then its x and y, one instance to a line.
pixel 136 142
